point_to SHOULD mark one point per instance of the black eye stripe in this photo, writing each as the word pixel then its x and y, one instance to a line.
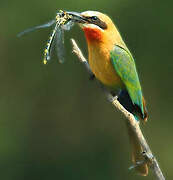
pixel 94 18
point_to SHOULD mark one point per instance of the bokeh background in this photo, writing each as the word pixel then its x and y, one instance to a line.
pixel 54 122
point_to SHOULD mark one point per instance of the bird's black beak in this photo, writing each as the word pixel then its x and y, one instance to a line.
pixel 77 17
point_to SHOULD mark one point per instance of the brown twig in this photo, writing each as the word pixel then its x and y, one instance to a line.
pixel 148 156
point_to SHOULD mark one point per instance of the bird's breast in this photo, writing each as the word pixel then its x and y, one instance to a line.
pixel 101 66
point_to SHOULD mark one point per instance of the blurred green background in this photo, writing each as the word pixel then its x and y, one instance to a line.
pixel 54 122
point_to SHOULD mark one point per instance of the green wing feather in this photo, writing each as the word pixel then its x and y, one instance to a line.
pixel 124 65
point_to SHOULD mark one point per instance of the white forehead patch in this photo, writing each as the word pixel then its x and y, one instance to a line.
pixel 90 13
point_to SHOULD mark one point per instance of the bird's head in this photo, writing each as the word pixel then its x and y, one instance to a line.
pixel 95 20
pixel 96 25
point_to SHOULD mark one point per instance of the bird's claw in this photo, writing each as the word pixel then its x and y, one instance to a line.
pixel 91 77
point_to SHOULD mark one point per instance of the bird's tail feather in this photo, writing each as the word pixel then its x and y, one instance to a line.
pixel 145 110
pixel 137 153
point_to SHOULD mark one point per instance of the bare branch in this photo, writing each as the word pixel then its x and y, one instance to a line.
pixel 148 156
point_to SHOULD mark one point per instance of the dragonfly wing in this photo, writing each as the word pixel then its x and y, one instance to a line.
pixel 60 45
pixel 48 24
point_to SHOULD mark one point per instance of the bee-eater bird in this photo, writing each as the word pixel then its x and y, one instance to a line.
pixel 113 65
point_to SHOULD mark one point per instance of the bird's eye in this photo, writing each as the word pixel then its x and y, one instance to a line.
pixel 94 18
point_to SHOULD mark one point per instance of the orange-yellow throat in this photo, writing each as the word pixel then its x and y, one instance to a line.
pixel 99 47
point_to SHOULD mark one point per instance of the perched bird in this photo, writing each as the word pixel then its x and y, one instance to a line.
pixel 113 65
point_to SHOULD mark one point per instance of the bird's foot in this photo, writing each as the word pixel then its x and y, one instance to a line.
pixel 113 93
pixel 91 77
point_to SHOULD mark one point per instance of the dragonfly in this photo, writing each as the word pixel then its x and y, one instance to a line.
pixel 63 21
